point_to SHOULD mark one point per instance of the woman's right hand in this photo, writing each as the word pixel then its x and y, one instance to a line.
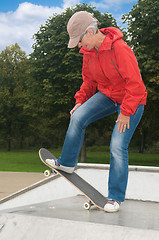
pixel 75 107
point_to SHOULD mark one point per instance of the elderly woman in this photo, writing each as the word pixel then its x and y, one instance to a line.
pixel 109 66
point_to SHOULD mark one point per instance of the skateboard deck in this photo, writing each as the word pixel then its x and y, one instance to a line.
pixel 93 195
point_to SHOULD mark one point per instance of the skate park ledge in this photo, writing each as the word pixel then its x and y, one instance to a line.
pixel 53 208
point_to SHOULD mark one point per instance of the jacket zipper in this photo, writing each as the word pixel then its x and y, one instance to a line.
pixel 118 70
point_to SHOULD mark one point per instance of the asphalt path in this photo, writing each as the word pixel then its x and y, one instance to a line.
pixel 10 182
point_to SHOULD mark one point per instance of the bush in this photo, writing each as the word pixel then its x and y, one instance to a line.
pixel 98 149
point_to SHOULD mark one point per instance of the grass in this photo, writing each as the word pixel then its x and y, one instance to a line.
pixel 134 159
pixel 21 162
pixel 29 161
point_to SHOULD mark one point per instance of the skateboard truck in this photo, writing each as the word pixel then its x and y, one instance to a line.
pixel 47 173
pixel 88 205
pixel 93 195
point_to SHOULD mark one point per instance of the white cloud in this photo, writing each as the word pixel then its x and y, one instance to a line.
pixel 29 11
pixel 112 2
pixel 69 3
pixel 21 25
pixel 104 5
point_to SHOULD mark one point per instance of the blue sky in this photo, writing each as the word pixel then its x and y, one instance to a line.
pixel 19 20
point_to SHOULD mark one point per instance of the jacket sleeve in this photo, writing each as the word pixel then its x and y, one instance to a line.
pixel 135 89
pixel 88 86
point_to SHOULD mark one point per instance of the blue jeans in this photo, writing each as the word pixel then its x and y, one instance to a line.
pixel 97 107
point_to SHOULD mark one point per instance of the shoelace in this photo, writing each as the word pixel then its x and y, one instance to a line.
pixel 56 163
pixel 113 201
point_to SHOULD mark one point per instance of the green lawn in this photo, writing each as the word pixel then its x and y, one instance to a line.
pixel 29 161
pixel 134 159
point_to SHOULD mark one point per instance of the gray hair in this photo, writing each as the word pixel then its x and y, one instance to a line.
pixel 94 25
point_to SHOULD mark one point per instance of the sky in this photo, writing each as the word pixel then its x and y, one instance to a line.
pixel 20 20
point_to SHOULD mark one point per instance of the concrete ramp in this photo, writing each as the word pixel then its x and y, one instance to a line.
pixel 142 185
pixel 18 227
pixel 53 209
pixel 66 219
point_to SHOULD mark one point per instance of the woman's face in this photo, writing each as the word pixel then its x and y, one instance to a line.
pixel 88 40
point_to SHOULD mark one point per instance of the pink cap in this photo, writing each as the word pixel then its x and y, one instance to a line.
pixel 77 24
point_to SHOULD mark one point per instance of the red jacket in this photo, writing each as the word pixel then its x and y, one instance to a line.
pixel 114 71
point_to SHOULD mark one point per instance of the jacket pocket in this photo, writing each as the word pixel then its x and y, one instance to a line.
pixel 117 70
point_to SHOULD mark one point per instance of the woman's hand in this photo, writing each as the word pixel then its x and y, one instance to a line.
pixel 123 122
pixel 75 107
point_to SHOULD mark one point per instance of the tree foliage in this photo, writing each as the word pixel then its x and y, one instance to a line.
pixel 13 69
pixel 56 70
pixel 37 93
pixel 143 33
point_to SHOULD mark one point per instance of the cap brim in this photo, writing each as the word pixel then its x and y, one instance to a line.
pixel 73 42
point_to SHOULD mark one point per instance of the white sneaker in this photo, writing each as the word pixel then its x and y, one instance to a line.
pixel 112 206
pixel 53 163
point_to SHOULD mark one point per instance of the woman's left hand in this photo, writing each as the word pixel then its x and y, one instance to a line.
pixel 123 122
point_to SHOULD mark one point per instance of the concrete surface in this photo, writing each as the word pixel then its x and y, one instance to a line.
pixel 18 227
pixel 66 219
pixel 53 209
pixel 142 185
pixel 135 214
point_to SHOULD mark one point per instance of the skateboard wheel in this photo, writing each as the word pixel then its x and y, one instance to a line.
pixel 47 173
pixel 87 205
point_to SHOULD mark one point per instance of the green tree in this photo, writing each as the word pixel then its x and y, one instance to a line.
pixel 56 71
pixel 143 33
pixel 13 72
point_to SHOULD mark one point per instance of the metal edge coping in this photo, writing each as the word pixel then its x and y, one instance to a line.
pixel 107 166
pixel 80 165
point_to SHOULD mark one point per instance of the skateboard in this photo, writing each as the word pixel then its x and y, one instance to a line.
pixel 94 197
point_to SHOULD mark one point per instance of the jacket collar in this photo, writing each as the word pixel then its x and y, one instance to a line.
pixel 112 35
